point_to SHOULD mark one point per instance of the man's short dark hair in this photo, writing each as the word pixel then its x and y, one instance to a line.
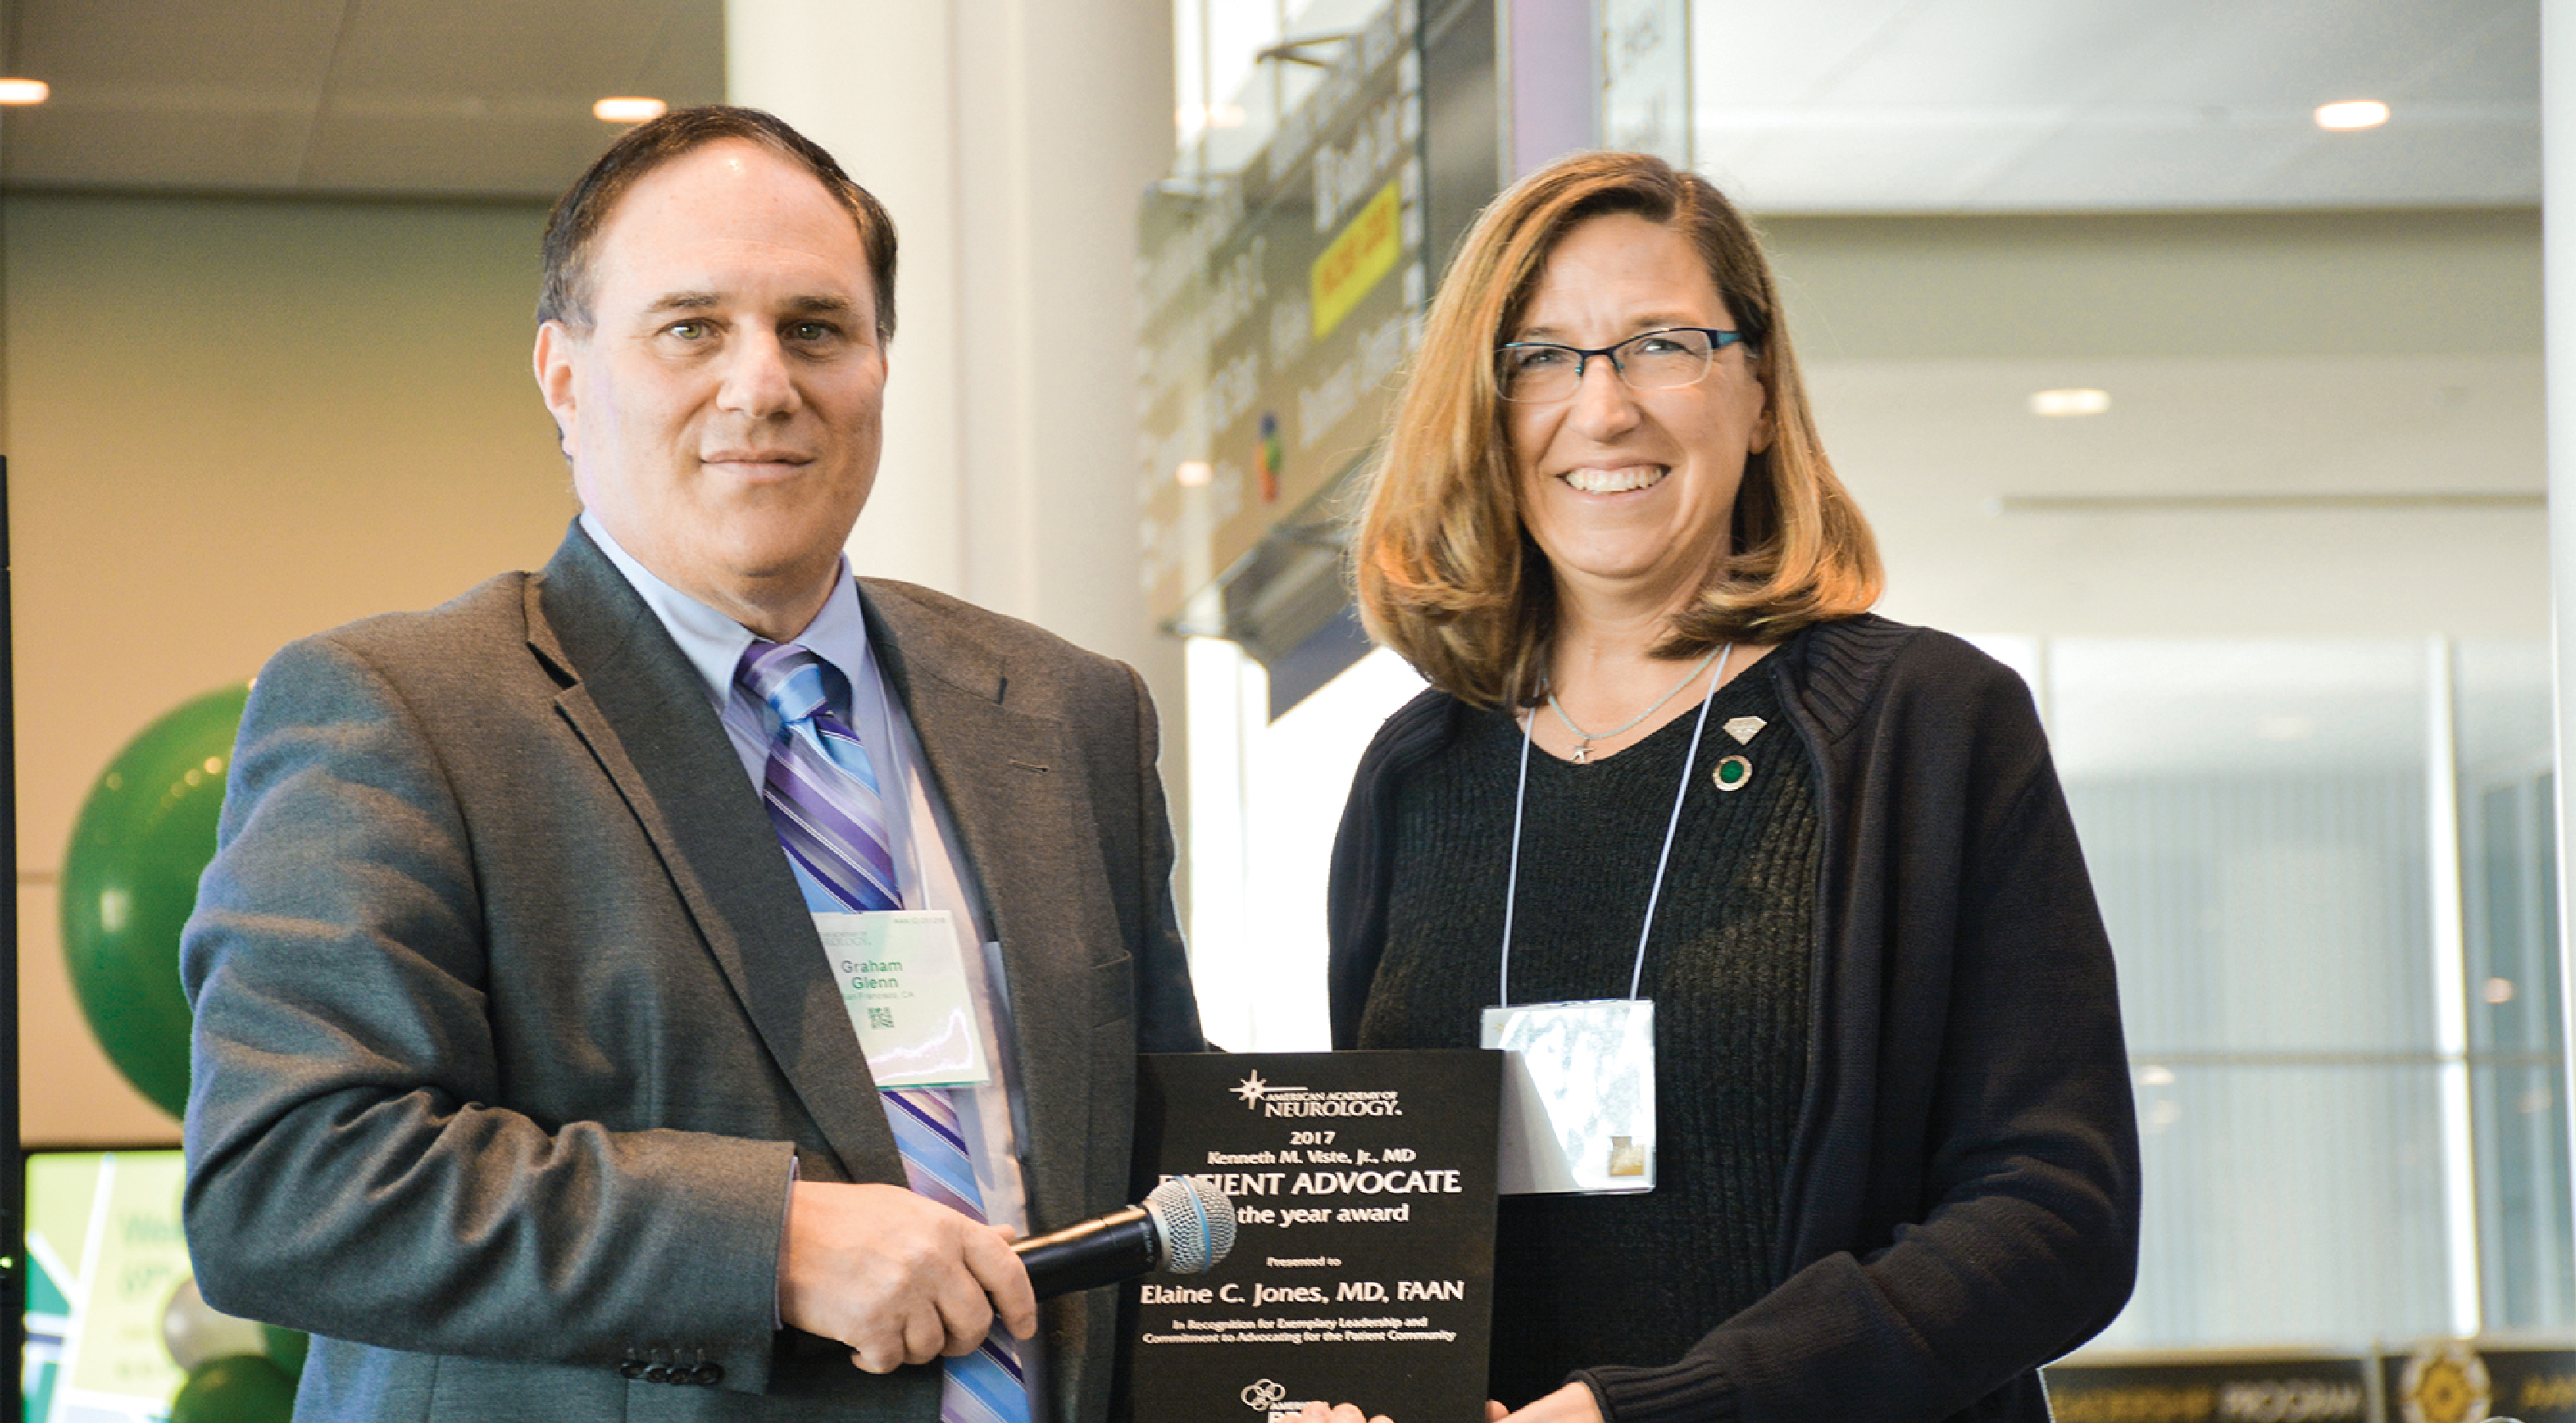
pixel 574 228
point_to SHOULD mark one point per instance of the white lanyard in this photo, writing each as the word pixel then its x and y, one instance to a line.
pixel 1681 792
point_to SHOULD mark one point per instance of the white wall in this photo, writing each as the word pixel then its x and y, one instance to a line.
pixel 231 423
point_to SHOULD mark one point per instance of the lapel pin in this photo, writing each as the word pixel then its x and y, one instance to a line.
pixel 1745 728
pixel 1732 773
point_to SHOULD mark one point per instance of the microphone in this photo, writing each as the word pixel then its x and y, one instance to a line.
pixel 1184 1227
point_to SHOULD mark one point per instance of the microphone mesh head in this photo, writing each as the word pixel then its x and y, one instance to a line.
pixel 1196 1223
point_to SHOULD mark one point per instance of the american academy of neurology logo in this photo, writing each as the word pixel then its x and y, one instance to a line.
pixel 1272 1099
pixel 1254 1089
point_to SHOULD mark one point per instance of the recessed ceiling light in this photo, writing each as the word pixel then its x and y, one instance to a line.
pixel 2074 401
pixel 24 91
pixel 2352 113
pixel 627 110
pixel 1193 474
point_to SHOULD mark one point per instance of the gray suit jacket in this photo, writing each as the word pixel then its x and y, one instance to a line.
pixel 509 1016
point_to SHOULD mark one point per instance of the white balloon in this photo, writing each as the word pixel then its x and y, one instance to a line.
pixel 196 1331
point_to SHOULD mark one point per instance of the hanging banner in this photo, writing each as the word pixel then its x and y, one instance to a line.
pixel 1279 302
pixel 1646 78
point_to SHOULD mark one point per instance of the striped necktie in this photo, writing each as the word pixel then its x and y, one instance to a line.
pixel 825 802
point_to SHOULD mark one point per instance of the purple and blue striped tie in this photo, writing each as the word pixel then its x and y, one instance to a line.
pixel 824 800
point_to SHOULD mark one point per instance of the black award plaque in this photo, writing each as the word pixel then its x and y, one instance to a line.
pixel 1363 1262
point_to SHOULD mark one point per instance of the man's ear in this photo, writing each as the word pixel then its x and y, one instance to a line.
pixel 558 361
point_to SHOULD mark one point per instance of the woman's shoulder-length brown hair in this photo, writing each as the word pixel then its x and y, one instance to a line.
pixel 1446 574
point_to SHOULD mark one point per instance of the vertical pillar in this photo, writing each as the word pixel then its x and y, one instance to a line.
pixel 1010 139
pixel 1066 110
pixel 1551 81
pixel 2558 265
pixel 875 82
pixel 2447 903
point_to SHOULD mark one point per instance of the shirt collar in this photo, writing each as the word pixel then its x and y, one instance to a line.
pixel 713 642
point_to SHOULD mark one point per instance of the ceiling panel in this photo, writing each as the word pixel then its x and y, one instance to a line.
pixel 2468 164
pixel 2033 105
pixel 2008 55
pixel 444 97
pixel 263 44
pixel 2496 63
pixel 1760 56
pixel 689 56
pixel 436 47
pixel 2180 162
pixel 497 151
pixel 237 139
pixel 1819 106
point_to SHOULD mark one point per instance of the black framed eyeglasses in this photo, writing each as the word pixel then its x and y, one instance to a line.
pixel 1666 359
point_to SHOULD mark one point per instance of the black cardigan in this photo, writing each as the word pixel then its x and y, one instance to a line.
pixel 1961 1204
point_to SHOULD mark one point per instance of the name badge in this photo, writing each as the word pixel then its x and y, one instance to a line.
pixel 1578 1096
pixel 903 981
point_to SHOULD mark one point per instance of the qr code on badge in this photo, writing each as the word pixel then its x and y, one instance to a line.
pixel 881 1018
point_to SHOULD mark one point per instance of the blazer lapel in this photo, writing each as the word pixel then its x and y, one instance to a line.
pixel 1018 801
pixel 642 710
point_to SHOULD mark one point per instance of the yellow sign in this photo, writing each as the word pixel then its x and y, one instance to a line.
pixel 1365 252
pixel 2135 1404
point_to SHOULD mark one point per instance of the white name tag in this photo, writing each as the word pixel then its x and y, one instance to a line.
pixel 903 980
pixel 1578 1096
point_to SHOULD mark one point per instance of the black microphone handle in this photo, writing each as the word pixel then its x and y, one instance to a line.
pixel 1119 1246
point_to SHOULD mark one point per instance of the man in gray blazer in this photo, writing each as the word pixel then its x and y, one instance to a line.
pixel 522 1079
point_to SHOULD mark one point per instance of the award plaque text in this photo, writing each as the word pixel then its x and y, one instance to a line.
pixel 1362 1270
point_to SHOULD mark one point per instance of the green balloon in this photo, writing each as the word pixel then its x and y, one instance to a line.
pixel 237 1388
pixel 287 1348
pixel 129 879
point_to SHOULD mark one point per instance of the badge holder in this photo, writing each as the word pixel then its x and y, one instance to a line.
pixel 1578 1095
pixel 1579 1078
pixel 903 982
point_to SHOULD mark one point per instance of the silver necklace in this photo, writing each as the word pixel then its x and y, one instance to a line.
pixel 1583 743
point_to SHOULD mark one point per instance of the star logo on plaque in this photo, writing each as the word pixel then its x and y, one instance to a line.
pixel 1252 1089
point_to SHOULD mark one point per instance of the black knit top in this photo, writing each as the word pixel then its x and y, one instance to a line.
pixel 1623 1279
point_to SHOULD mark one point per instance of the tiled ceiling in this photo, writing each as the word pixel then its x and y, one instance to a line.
pixel 432 97
pixel 2057 105
pixel 1811 106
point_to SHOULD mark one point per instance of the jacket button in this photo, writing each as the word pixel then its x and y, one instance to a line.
pixel 707 1373
pixel 631 1369
pixel 659 1373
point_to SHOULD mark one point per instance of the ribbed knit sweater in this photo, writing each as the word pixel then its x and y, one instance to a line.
pixel 1584 1280
pixel 1961 1199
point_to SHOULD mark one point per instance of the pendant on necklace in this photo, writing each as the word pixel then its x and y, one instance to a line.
pixel 1583 751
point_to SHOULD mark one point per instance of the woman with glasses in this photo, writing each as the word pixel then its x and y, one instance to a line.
pixel 1780 898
